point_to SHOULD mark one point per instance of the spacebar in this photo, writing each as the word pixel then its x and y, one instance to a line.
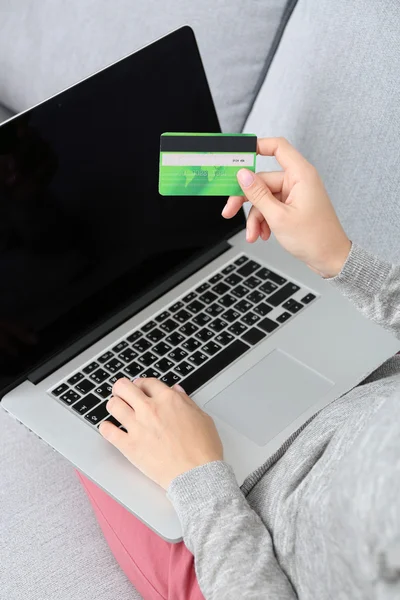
pixel 214 366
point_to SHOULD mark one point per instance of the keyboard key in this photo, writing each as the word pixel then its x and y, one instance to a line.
pixel 86 404
pixel 170 379
pixel 255 297
pixel 233 279
pixel 134 336
pixel 214 310
pixel 105 357
pixel 182 316
pixel 75 378
pixel 146 328
pixel 230 315
pixel 218 325
pixel 104 390
pixel 237 328
pixel 195 306
pixel 224 338
pixel 211 348
pixel 114 365
pixel 97 414
pixel 239 291
pixel 189 297
pixel 127 355
pixel 220 288
pixel 184 368
pixel 228 269
pixel 262 309
pixel 191 344
pixel 99 376
pixel 147 359
pixel 113 421
pixel 267 325
pixel 90 368
pixel 243 306
pixel 251 318
pixel 70 397
pixel 142 345
pixel 176 306
pixel 155 335
pixel 177 355
pixel 133 370
pixel 216 278
pixel 163 365
pixel 292 305
pixel 283 294
pixel 283 317
pixel 161 317
pixel 175 338
pixel 59 389
pixel 198 358
pixel 188 329
pixel 214 366
pixel 169 325
pixel 263 273
pixel 276 278
pixel 253 336
pixel 227 300
pixel 150 373
pixel 205 334
pixel 252 282
pixel 115 377
pixel 307 299
pixel 119 347
pixel 202 319
pixel 242 259
pixel 85 386
pixel 268 287
pixel 161 348
pixel 208 297
pixel 204 286
pixel 248 268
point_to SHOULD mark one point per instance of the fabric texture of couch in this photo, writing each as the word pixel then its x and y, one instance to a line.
pixel 331 88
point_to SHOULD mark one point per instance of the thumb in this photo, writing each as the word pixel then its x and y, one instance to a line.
pixel 258 193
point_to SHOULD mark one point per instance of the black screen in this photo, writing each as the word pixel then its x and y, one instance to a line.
pixel 83 230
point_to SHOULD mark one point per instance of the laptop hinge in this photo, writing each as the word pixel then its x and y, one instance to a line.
pixel 96 333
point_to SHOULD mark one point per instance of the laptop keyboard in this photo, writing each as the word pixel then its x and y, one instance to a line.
pixel 192 340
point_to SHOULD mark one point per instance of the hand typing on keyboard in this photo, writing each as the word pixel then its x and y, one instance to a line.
pixel 166 434
pixel 294 205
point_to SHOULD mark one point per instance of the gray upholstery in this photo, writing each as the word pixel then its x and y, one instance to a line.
pixel 48 45
pixel 333 90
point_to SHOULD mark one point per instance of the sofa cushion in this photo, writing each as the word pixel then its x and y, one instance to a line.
pixel 333 90
pixel 4 114
pixel 48 45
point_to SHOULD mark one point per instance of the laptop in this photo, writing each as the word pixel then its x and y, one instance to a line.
pixel 101 278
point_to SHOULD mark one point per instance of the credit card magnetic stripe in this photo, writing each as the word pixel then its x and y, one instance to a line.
pixel 208 143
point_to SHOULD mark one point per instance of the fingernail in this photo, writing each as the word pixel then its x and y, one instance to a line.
pixel 224 209
pixel 179 388
pixel 245 177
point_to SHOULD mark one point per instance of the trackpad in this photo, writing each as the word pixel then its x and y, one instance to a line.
pixel 269 396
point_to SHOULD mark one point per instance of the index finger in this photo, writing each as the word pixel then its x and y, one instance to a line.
pixel 286 155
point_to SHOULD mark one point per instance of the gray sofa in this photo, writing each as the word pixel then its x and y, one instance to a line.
pixel 322 73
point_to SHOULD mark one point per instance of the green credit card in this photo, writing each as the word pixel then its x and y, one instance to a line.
pixel 204 164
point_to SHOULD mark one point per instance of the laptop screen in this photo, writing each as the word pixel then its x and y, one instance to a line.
pixel 83 230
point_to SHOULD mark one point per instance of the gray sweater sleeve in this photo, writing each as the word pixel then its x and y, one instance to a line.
pixel 233 549
pixel 234 555
pixel 373 286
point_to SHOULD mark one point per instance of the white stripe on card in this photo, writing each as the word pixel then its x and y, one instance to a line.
pixel 185 159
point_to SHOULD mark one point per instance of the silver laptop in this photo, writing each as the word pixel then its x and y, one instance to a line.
pixel 103 278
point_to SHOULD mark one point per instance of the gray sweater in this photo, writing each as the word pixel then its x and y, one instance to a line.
pixel 321 519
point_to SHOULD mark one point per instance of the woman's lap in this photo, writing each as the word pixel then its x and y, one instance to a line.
pixel 158 570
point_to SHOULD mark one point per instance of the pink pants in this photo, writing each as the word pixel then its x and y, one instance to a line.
pixel 157 569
